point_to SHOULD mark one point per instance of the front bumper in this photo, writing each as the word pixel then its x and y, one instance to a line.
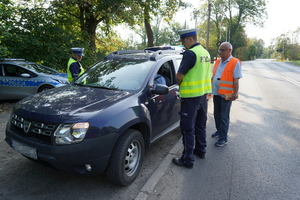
pixel 70 159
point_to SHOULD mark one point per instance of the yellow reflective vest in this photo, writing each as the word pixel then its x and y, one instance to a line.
pixel 71 60
pixel 197 81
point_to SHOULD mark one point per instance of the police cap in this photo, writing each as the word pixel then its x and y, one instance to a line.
pixel 78 51
pixel 187 32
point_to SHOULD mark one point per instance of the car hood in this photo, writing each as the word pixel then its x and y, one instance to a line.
pixel 65 75
pixel 69 103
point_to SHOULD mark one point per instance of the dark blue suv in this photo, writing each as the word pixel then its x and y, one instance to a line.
pixel 103 120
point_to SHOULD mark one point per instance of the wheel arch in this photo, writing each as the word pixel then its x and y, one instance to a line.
pixel 144 129
pixel 41 87
pixel 139 122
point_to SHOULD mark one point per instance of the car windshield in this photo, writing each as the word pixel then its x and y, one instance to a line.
pixel 39 68
pixel 117 74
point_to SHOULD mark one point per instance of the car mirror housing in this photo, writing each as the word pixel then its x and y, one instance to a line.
pixel 160 89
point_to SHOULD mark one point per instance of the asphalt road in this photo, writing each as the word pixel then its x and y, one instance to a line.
pixel 262 158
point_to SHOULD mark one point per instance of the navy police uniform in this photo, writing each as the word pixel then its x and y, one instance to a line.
pixel 75 68
pixel 195 67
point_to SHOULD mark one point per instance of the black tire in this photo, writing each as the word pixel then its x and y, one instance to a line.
pixel 127 158
pixel 45 87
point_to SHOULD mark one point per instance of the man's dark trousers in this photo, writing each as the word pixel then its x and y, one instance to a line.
pixel 193 115
pixel 222 116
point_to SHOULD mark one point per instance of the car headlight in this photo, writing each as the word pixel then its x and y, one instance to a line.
pixel 71 133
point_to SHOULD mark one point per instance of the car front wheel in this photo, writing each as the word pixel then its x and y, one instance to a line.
pixel 126 159
pixel 45 87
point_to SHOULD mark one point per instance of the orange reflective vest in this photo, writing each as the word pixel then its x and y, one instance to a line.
pixel 226 80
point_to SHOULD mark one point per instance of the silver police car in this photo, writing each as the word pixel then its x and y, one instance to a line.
pixel 20 78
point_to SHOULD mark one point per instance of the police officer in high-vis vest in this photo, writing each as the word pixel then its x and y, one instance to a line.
pixel 194 79
pixel 226 74
pixel 75 68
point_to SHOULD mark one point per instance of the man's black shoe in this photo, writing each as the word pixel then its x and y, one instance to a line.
pixel 200 155
pixel 179 162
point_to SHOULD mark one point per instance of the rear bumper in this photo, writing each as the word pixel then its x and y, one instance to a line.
pixel 71 159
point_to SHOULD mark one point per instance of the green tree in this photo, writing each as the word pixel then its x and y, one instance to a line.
pixel 233 15
pixel 39 33
pixel 6 13
pixel 98 14
pixel 162 34
pixel 108 43
pixel 166 35
pixel 267 52
pixel 33 35
pixel 104 14
pixel 259 44
pixel 287 45
pixel 166 9
pixel 251 52
pixel 282 46
pixel 246 52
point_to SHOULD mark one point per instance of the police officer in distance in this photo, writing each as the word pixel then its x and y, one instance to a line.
pixel 75 68
pixel 194 79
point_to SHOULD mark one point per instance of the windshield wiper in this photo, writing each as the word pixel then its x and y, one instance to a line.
pixel 80 84
pixel 102 87
pixel 95 86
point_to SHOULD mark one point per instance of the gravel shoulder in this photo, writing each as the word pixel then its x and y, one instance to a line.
pixel 7 105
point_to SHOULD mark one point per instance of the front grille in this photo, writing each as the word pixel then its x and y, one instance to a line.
pixel 33 130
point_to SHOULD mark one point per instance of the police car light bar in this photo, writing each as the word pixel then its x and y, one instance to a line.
pixel 12 59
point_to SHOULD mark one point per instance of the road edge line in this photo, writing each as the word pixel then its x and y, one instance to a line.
pixel 158 173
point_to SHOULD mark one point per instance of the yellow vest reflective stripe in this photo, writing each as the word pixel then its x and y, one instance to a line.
pixel 197 81
pixel 71 60
pixel 226 80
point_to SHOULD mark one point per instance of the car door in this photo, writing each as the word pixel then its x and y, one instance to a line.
pixel 15 82
pixel 164 108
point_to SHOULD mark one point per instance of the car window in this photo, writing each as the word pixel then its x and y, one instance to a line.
pixel 159 78
pixel 15 71
pixel 10 70
pixel 167 72
pixel 39 68
pixel 1 71
pixel 117 74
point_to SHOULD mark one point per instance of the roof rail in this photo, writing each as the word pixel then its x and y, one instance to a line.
pixel 119 53
pixel 159 53
pixel 154 55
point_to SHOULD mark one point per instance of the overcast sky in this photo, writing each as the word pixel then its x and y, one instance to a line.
pixel 283 16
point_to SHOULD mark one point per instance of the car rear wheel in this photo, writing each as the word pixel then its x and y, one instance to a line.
pixel 126 159
pixel 45 87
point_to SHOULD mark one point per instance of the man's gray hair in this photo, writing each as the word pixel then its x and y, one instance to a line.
pixel 228 45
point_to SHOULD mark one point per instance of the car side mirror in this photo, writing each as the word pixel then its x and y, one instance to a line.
pixel 25 75
pixel 160 89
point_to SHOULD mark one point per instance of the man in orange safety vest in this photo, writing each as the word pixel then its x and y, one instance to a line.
pixel 225 86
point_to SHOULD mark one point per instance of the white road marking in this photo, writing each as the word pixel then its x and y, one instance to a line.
pixel 292 81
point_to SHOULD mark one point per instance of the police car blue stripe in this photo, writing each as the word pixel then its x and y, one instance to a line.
pixel 19 83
